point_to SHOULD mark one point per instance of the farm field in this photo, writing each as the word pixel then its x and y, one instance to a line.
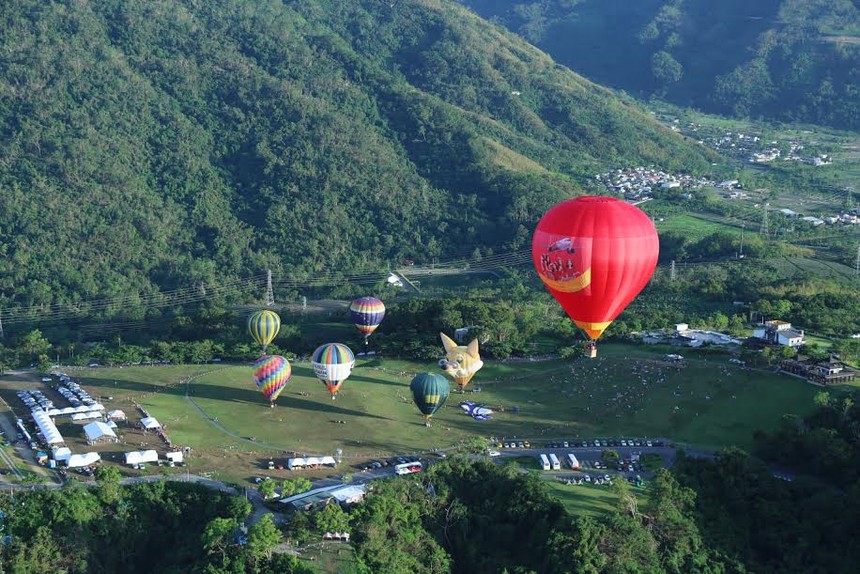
pixel 626 391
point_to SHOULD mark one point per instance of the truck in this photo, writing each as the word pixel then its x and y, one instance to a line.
pixel 574 464
pixel 556 465
pixel 544 462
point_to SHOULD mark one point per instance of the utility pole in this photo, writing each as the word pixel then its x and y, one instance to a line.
pixel 764 221
pixel 270 295
pixel 672 271
pixel 1 324
pixel 741 253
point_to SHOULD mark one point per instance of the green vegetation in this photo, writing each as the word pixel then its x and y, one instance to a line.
pixel 206 143
pixel 148 527
pixel 778 59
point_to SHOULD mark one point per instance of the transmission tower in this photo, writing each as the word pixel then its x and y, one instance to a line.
pixel 764 220
pixel 672 271
pixel 270 294
pixel 1 325
pixel 856 272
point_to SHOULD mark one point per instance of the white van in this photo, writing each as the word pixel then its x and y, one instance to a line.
pixel 544 462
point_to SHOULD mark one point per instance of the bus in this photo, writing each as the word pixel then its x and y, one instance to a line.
pixel 574 464
pixel 408 468
pixel 544 462
pixel 553 460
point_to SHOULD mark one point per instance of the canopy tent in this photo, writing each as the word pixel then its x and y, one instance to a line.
pixel 98 430
pixel 72 410
pixel 112 424
pixel 85 416
pixel 79 460
pixel 62 453
pixel 116 415
pixel 175 456
pixel 313 461
pixel 140 456
pixel 47 427
pixel 150 423
pixel 349 494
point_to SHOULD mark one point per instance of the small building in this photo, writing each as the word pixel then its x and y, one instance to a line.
pixel 98 431
pixel 142 456
pixel 779 333
pixel 150 423
pixel 81 460
pixel 831 372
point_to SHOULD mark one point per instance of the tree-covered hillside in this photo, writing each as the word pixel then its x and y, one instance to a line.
pixel 778 59
pixel 152 146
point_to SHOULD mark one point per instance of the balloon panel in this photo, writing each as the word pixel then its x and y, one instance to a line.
pixel 271 374
pixel 367 313
pixel 264 326
pixel 595 254
pixel 429 392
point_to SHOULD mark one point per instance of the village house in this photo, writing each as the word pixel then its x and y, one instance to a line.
pixel 830 372
pixel 779 333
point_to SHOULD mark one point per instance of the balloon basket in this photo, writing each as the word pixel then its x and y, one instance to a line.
pixel 333 397
pixel 271 405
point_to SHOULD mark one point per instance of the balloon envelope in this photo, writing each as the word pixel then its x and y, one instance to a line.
pixel 264 326
pixel 429 391
pixel 595 254
pixel 271 373
pixel 367 313
pixel 332 364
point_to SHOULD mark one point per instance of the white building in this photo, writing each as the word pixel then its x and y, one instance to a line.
pixel 779 333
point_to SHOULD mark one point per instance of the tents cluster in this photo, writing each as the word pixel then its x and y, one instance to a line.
pixel 311 461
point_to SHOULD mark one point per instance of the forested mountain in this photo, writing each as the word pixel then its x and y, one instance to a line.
pixel 149 146
pixel 777 59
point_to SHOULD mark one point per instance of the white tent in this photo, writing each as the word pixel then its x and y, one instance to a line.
pixel 47 427
pixel 313 461
pixel 97 430
pixel 296 463
pixel 85 416
pixel 62 453
pixel 79 460
pixel 328 460
pixel 116 415
pixel 138 457
pixel 150 423
pixel 175 456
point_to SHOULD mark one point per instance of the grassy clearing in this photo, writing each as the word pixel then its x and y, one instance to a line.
pixel 693 226
pixel 626 391
pixel 582 499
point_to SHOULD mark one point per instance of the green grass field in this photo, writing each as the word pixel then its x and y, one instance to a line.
pixel 626 391
pixel 587 499
pixel 693 227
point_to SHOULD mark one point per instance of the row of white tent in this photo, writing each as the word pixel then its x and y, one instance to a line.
pixel 312 461
pixel 143 456
pixel 75 410
pixel 64 454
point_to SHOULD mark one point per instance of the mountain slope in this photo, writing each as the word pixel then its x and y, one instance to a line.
pixel 152 146
pixel 780 59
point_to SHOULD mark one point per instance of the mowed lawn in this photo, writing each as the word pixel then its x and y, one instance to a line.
pixel 625 391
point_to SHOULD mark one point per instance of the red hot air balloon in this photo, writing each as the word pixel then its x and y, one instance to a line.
pixel 595 254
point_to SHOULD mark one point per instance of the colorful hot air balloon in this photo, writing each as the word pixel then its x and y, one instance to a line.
pixel 333 363
pixel 264 326
pixel 595 254
pixel 429 391
pixel 271 373
pixel 367 313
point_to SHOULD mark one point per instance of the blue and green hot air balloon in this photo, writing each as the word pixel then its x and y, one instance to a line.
pixel 429 391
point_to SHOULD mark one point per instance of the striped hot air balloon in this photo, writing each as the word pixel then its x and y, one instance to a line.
pixel 429 391
pixel 367 313
pixel 263 326
pixel 271 373
pixel 332 364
